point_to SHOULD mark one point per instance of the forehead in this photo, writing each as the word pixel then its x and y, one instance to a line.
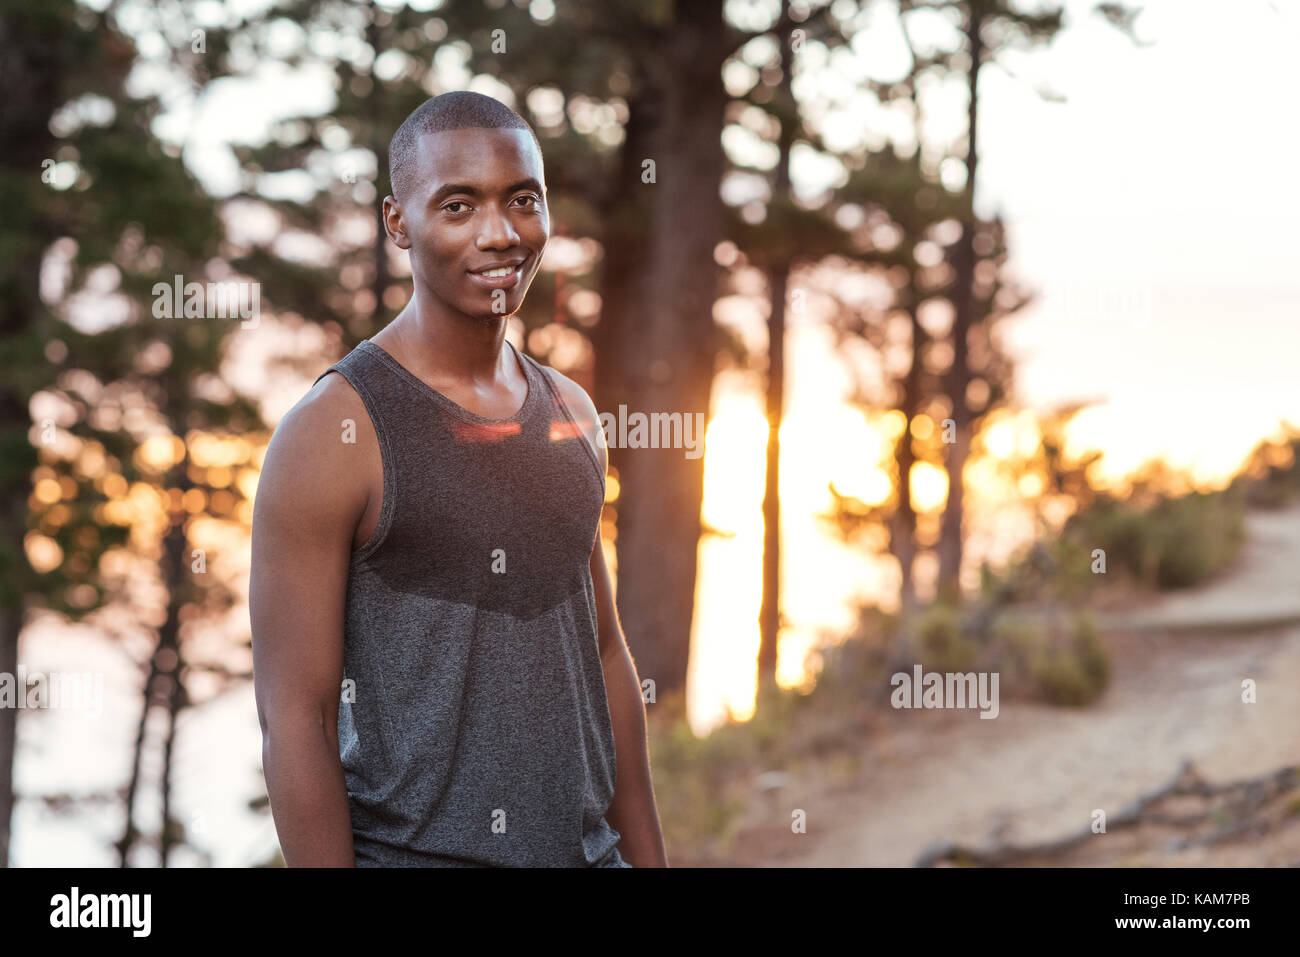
pixel 489 159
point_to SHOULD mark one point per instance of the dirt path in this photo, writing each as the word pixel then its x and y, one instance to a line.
pixel 1036 773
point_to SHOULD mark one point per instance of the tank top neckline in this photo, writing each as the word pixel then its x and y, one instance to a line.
pixel 450 405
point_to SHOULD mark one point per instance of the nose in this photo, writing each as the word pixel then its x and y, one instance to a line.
pixel 496 231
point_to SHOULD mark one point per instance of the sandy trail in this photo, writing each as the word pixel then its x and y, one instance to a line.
pixel 1037 772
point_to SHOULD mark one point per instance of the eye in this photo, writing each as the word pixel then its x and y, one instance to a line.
pixel 454 202
pixel 528 197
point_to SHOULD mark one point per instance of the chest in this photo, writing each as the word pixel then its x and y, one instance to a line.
pixel 505 515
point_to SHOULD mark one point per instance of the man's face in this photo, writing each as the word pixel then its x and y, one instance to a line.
pixel 478 201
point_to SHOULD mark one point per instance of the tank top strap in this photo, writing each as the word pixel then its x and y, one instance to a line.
pixel 564 419
pixel 366 373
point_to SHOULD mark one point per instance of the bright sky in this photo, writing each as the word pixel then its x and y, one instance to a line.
pixel 1157 212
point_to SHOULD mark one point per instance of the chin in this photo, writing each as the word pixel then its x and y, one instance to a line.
pixel 487 314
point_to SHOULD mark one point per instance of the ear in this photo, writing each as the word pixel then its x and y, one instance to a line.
pixel 395 224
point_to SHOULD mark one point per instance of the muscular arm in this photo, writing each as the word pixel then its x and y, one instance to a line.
pixel 633 812
pixel 310 497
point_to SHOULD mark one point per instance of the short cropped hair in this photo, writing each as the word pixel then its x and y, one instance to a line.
pixel 457 110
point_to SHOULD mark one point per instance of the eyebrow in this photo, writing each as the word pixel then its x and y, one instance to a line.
pixel 452 188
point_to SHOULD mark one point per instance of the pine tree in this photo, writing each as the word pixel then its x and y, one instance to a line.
pixel 104 403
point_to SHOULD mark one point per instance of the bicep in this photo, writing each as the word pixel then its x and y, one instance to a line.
pixel 302 537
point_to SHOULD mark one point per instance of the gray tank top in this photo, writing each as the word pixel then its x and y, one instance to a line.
pixel 480 733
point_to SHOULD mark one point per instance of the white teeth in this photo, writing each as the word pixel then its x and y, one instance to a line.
pixel 496 273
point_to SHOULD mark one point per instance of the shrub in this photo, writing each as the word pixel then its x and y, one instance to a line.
pixel 1175 544
pixel 1074 672
pixel 1062 666
pixel 1196 536
pixel 939 642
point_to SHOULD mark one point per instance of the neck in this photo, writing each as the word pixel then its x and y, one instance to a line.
pixel 446 344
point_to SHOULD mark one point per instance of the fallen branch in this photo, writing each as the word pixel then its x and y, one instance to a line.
pixel 1244 799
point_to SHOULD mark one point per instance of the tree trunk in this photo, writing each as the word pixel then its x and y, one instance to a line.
pixel 769 615
pixel 163 683
pixel 14 420
pixel 778 281
pixel 902 525
pixel 10 626
pixel 951 536
pixel 127 839
pixel 626 215
pixel 175 701
pixel 671 344
pixel 31 74
pixel 380 279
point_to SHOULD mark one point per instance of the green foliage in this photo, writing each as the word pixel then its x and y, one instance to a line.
pixel 1062 665
pixel 1076 674
pixel 1015 641
pixel 696 779
pixel 1174 543
pixel 940 643
pixel 854 671
pixel 135 214
pixel 1271 476
pixel 1196 536
pixel 1177 543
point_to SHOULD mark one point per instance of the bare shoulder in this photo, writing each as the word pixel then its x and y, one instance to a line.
pixel 574 394
pixel 583 410
pixel 312 463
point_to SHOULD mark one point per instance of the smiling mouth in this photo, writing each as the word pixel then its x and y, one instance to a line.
pixel 499 272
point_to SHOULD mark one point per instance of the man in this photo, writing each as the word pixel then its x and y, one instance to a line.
pixel 440 672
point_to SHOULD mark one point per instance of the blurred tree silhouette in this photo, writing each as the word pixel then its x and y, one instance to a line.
pixel 99 210
pixel 778 233
pixel 989 26
pixel 904 227
pixel 947 286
